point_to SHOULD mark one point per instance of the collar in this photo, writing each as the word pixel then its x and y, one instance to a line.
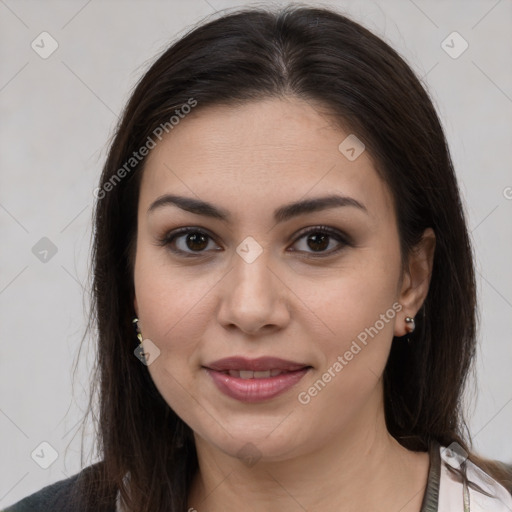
pixel 431 497
pixel 447 492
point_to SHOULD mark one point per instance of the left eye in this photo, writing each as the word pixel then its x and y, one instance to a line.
pixel 319 239
pixel 193 241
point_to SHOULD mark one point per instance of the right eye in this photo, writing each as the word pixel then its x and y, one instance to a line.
pixel 188 242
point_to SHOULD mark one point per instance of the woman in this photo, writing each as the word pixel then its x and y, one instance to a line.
pixel 279 220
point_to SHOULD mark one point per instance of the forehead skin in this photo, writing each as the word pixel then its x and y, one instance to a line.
pixel 253 158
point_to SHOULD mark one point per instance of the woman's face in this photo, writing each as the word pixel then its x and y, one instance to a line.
pixel 255 284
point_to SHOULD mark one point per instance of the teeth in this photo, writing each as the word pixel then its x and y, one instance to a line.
pixel 262 375
pixel 248 374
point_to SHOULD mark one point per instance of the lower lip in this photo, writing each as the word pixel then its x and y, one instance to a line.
pixel 255 390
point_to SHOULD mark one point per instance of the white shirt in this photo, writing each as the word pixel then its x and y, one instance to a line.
pixel 454 495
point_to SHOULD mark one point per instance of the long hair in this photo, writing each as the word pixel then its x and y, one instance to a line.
pixel 325 58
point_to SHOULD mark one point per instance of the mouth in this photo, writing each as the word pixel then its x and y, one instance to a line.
pixel 255 380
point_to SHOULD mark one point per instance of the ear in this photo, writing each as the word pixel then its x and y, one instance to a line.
pixel 416 279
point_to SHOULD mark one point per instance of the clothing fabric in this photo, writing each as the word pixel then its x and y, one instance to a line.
pixel 446 491
pixel 56 497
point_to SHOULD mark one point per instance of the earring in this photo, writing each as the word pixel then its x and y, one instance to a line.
pixel 410 325
pixel 135 321
pixel 139 351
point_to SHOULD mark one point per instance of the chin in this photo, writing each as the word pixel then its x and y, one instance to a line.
pixel 254 445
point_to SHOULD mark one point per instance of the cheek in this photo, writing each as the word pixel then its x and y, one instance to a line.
pixel 172 312
pixel 360 315
pixel 176 308
pixel 352 297
pixel 357 309
pixel 171 306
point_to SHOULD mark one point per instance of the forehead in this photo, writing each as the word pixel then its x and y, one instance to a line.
pixel 261 153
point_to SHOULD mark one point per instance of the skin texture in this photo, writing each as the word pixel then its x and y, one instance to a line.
pixel 333 453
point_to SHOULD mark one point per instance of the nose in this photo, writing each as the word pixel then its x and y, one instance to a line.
pixel 254 297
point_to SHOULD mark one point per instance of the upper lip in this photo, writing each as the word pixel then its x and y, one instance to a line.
pixel 259 364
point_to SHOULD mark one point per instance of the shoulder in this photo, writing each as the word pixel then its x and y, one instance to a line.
pixel 51 497
pixel 61 496
pixel 482 492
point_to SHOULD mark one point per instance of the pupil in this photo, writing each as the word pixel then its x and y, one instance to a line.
pixel 321 241
pixel 196 238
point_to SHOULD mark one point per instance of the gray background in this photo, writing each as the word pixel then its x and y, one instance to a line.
pixel 56 117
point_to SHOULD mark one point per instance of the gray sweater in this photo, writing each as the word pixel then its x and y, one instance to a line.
pixel 58 497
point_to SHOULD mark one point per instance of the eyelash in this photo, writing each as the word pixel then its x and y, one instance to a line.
pixel 169 238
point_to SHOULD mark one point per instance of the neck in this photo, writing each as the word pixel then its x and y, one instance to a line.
pixel 361 468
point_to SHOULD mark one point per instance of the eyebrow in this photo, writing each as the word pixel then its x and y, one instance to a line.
pixel 281 214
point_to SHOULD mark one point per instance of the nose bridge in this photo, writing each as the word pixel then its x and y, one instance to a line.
pixel 252 280
pixel 252 296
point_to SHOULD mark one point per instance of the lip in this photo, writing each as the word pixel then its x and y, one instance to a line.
pixel 259 364
pixel 259 389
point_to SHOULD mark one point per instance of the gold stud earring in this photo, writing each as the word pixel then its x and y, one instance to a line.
pixel 135 321
pixel 139 351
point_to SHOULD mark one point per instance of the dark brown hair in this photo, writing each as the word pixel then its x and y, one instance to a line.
pixel 343 69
